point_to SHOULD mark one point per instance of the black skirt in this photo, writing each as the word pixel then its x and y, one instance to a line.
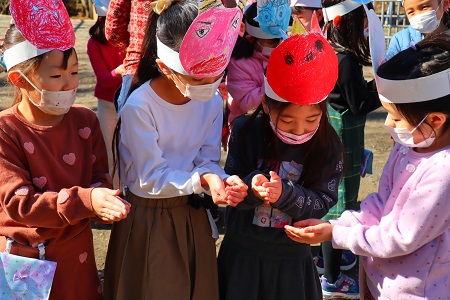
pixel 253 270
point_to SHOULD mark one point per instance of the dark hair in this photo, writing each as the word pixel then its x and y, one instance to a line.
pixel 430 56
pixel 97 31
pixel 319 154
pixel 14 37
pixel 170 27
pixel 350 33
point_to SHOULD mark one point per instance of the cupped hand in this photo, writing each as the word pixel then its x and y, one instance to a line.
pixel 108 206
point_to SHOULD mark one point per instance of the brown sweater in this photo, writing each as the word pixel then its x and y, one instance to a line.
pixel 46 174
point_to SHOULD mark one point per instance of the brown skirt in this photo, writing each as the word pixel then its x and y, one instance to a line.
pixel 162 250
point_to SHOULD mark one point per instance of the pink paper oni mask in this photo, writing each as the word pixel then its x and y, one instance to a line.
pixel 207 46
pixel 44 23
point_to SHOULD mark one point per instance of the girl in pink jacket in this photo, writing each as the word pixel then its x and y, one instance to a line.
pixel 245 77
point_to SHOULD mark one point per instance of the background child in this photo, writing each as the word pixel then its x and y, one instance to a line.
pixel 166 112
pixel 246 69
pixel 291 156
pixel 349 102
pixel 403 230
pixel 425 17
pixel 53 161
pixel 304 9
pixel 125 29
pixel 106 60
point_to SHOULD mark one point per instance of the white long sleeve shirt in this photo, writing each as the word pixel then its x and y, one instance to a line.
pixel 164 148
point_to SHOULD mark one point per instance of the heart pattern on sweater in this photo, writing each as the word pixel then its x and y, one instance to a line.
pixel 69 158
pixel 40 181
pixel 84 132
pixel 63 196
pixel 22 191
pixel 29 147
pixel 82 257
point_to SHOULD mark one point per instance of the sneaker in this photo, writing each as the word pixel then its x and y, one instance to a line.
pixel 348 261
pixel 344 288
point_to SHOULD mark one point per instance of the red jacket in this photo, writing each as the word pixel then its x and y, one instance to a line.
pixel 105 58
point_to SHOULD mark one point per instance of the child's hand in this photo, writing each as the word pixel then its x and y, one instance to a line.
pixel 269 191
pixel 236 190
pixel 216 187
pixel 108 206
pixel 311 231
pixel 258 189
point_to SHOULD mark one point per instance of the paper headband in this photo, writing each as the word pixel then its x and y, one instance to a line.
pixel 308 3
pixel 169 57
pixel 101 7
pixel 414 90
pixel 257 32
pixel 303 69
pixel 44 24
pixel 340 9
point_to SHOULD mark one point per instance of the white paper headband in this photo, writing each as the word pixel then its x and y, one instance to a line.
pixel 414 90
pixel 270 93
pixel 21 52
pixel 257 32
pixel 340 9
pixel 169 57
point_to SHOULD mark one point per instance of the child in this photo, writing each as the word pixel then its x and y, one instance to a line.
pixel 168 147
pixel 304 9
pixel 53 161
pixel 425 17
pixel 246 69
pixel 126 21
pixel 349 102
pixel 403 230
pixel 291 156
pixel 106 60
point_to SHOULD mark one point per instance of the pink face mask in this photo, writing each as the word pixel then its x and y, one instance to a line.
pixel 290 138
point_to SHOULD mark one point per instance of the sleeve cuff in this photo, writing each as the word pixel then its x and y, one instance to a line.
pixel 196 183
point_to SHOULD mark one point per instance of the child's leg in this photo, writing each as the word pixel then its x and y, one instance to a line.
pixel 107 117
pixel 332 261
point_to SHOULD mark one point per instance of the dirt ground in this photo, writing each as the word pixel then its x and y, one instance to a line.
pixel 376 137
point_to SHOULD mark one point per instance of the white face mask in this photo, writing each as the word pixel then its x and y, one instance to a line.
pixel 202 93
pixel 366 32
pixel 53 102
pixel 266 51
pixel 426 22
pixel 405 137
pixel 290 138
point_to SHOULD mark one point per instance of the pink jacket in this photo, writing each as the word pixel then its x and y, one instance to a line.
pixel 245 82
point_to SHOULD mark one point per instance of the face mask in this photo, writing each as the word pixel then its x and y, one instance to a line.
pixel 266 51
pixel 290 138
pixel 202 93
pixel 366 32
pixel 53 102
pixel 426 22
pixel 404 137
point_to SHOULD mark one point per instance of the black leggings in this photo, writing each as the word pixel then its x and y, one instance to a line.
pixel 331 261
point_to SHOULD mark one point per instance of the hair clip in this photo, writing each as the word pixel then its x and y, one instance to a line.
pixel 160 6
pixel 413 45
